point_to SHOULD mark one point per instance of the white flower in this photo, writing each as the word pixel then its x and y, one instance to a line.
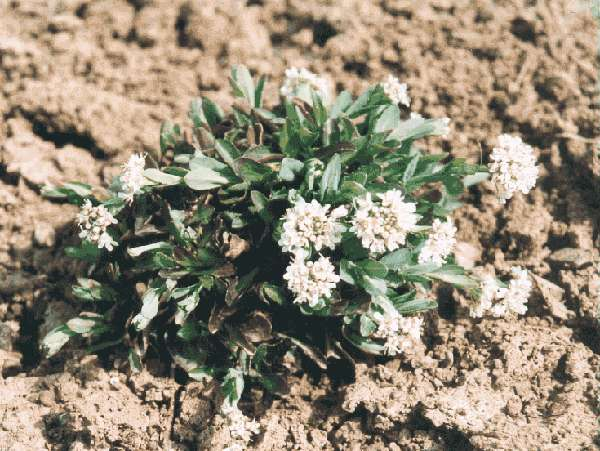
pixel 439 244
pixel 93 224
pixel 490 291
pixel 311 281
pixel 514 298
pixel 132 177
pixel 513 167
pixel 384 225
pixel 502 301
pixel 397 92
pixel 298 79
pixel 307 224
pixel 400 332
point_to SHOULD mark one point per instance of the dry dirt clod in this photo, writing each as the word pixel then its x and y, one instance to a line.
pixel 571 257
pixel 553 296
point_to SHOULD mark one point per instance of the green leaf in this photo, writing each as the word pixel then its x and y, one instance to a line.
pixel 251 171
pixel 242 84
pixel 259 92
pixel 476 178
pixel 387 119
pixel 204 111
pixel 342 103
pixel 206 162
pixel 370 99
pixel 261 203
pixel 170 134
pixel 56 339
pixel 374 286
pixel 233 386
pixel 331 176
pixel 409 172
pixel 139 250
pixel 352 247
pixel 82 324
pixel 273 293
pixel 350 190
pixel 454 185
pixel 202 373
pixel 372 268
pixel 415 306
pixel 87 251
pixel 149 308
pixel 397 260
pixel 157 176
pixel 189 331
pixel 290 169
pixel 186 306
pixel 72 192
pixel 93 291
pixel 204 179
pixel 419 127
pixel 227 151
pixel 367 326
pixel 135 361
pixel 348 271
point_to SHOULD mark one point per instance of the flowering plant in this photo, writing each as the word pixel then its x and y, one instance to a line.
pixel 317 225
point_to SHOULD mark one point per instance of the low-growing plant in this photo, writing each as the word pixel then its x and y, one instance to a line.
pixel 316 225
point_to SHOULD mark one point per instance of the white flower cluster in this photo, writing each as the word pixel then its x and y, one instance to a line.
pixel 384 225
pixel 311 281
pixel 241 429
pixel 307 224
pixel 397 92
pixel 513 167
pixel 296 78
pixel 132 177
pixel 502 301
pixel 439 244
pixel 93 224
pixel 400 332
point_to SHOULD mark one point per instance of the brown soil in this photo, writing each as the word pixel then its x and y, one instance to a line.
pixel 85 83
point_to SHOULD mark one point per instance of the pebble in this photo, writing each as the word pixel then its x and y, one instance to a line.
pixel 44 234
pixel 571 257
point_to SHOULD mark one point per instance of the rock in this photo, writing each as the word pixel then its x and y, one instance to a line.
pixel 7 334
pixel 18 281
pixel 571 257
pixel 553 297
pixel 195 412
pixel 466 254
pixel 98 120
pixel 44 234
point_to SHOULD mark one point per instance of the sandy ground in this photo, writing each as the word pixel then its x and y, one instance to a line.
pixel 83 84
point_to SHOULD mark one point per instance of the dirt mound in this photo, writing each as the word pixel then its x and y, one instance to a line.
pixel 83 84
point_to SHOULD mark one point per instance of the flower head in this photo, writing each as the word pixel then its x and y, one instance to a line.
pixel 400 332
pixel 384 225
pixel 307 224
pixel 514 298
pixel 490 291
pixel 132 177
pixel 513 167
pixel 311 281
pixel 397 92
pixel 439 244
pixel 502 301
pixel 93 224
pixel 298 78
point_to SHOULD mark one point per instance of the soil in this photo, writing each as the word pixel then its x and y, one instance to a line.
pixel 83 84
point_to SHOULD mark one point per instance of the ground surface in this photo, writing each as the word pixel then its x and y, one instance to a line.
pixel 85 83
